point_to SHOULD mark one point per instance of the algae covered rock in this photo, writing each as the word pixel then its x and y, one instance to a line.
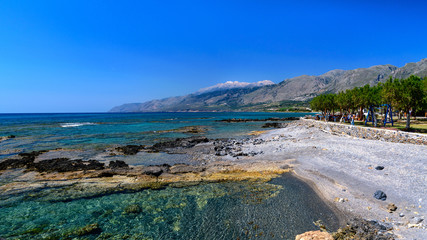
pixel 88 229
pixel 133 208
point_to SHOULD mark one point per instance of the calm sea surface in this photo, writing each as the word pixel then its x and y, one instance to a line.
pixel 101 130
pixel 279 209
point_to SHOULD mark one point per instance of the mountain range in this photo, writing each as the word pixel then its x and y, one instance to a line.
pixel 265 95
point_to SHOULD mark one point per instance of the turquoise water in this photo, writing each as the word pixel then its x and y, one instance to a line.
pixel 280 209
pixel 101 130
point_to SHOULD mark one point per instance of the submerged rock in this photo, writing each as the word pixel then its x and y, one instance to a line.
pixel 179 142
pixel 133 208
pixel 88 229
pixel 130 149
pixel 15 163
pixel 66 165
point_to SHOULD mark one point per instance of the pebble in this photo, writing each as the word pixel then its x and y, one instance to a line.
pixel 379 168
pixel 380 195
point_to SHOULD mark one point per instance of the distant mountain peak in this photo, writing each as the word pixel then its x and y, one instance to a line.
pixel 234 84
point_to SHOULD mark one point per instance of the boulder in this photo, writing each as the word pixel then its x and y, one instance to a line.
pixel 130 149
pixel 118 164
pixel 179 142
pixel 156 170
pixel 314 235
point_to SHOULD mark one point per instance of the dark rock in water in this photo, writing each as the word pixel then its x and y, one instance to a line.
pixel 66 165
pixel 156 170
pixel 130 149
pixel 133 208
pixel 379 168
pixel 184 168
pixel 380 195
pixel 364 229
pixel 11 136
pixel 274 125
pixel 88 230
pixel 179 142
pixel 106 174
pixel 16 163
pixel 234 120
pixel 118 164
pixel 32 155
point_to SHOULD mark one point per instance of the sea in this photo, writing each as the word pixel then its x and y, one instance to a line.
pixel 279 209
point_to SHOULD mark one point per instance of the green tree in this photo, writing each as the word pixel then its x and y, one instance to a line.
pixel 410 95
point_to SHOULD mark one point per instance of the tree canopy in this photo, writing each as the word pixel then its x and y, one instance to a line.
pixel 402 94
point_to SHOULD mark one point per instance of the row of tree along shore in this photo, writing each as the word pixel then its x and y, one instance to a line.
pixel 407 95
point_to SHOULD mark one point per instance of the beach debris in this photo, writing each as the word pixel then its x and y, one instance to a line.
pixel 314 235
pixel 401 215
pixel 118 164
pixel 321 225
pixel 391 207
pixel 341 200
pixel 380 195
pixel 364 229
pixel 379 168
pixel 416 220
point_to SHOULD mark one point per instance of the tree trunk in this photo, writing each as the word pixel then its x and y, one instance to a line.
pixel 408 119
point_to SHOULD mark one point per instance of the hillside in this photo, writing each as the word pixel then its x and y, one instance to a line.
pixel 249 97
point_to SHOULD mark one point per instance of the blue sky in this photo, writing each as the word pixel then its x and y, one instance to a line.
pixel 88 56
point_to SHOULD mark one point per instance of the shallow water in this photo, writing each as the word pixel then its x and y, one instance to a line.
pixel 98 131
pixel 279 209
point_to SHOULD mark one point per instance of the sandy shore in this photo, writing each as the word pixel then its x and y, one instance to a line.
pixel 343 170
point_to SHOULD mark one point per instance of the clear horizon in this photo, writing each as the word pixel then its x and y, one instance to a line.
pixel 82 56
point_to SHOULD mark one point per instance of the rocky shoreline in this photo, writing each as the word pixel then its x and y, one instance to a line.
pixel 320 158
